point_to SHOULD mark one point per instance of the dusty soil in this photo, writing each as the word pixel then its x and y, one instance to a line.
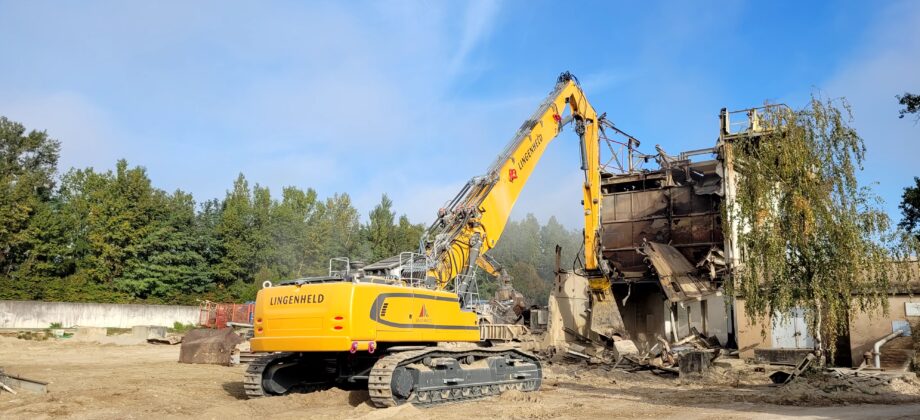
pixel 145 381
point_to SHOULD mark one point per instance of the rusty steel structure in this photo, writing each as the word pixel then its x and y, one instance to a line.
pixel 663 231
pixel 679 205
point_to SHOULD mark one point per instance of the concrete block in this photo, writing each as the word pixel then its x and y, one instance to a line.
pixel 146 332
pixel 729 363
pixel 90 333
pixel 789 357
pixel 694 362
pixel 625 348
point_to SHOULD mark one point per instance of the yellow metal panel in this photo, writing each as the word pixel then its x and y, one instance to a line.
pixel 288 319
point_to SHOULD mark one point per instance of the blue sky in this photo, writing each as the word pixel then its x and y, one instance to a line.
pixel 414 98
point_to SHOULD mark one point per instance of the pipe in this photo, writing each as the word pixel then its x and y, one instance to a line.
pixel 877 349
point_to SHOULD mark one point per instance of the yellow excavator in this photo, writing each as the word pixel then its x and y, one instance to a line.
pixel 350 329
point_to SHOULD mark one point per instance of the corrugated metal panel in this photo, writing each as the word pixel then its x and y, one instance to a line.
pixel 677 275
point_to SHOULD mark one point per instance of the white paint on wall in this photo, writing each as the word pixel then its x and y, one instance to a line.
pixel 34 314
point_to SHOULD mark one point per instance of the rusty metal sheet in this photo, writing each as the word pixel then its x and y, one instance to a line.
pixel 684 212
pixel 677 275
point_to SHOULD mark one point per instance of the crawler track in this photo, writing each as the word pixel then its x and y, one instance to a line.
pixel 522 372
pixel 252 379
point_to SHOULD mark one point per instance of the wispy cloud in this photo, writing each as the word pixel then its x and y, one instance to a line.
pixel 887 63
pixel 478 20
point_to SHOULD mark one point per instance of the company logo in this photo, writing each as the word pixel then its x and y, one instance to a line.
pixel 287 300
pixel 423 314
pixel 535 143
pixel 512 174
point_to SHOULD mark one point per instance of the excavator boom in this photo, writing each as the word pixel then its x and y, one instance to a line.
pixel 472 223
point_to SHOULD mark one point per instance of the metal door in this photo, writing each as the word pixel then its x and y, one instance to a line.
pixel 790 331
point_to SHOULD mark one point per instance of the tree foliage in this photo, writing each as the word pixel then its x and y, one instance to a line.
pixel 112 236
pixel 527 250
pixel 910 208
pixel 811 237
pixel 911 103
pixel 27 165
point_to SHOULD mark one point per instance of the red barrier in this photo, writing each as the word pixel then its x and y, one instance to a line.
pixel 217 315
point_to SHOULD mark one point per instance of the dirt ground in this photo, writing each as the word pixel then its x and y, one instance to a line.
pixel 109 381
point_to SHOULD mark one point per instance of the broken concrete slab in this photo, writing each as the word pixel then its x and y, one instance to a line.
pixel 624 348
pixel 12 383
pixel 146 332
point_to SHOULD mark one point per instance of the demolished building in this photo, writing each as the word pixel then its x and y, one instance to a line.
pixel 659 227
pixel 664 238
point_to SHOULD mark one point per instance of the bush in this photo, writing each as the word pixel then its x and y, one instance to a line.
pixel 181 328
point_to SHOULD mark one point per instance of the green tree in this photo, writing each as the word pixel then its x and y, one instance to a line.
pixel 381 230
pixel 28 162
pixel 812 238
pixel 910 208
pixel 111 213
pixel 207 220
pixel 336 227
pixel 527 281
pixel 552 234
pixel 528 251
pixel 407 235
pixel 292 219
pixel 92 234
pixel 50 257
pixel 264 247
pixel 168 266
pixel 911 104
pixel 234 235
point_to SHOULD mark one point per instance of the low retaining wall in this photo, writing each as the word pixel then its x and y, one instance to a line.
pixel 34 314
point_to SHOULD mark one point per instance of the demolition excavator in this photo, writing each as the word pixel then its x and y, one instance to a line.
pixel 396 335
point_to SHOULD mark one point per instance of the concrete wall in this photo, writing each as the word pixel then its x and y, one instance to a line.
pixel 749 331
pixel 33 314
pixel 717 318
pixel 867 328
pixel 568 308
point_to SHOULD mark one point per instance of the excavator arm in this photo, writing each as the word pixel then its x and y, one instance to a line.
pixel 472 223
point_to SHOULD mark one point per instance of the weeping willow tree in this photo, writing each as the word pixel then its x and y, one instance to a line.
pixel 811 237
